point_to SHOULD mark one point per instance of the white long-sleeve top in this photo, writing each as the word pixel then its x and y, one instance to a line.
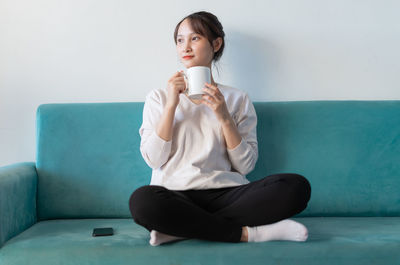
pixel 197 156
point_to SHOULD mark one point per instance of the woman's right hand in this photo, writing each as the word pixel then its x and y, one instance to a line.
pixel 176 85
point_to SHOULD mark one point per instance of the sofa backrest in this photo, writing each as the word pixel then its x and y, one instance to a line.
pixel 89 162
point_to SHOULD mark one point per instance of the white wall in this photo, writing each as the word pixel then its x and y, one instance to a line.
pixel 110 51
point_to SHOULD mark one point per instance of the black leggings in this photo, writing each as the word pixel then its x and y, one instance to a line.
pixel 219 214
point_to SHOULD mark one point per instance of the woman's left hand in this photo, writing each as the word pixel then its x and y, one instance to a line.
pixel 215 101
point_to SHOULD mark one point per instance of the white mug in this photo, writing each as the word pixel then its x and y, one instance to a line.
pixel 196 78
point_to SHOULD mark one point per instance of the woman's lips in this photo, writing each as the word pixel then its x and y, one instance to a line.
pixel 188 57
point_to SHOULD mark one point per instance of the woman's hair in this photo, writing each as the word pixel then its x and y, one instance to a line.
pixel 208 25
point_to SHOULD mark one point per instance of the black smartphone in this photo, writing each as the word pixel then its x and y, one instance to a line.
pixel 103 231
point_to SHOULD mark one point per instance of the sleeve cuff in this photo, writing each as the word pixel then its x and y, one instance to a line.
pixel 158 144
pixel 238 150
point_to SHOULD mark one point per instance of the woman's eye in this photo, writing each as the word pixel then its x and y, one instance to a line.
pixel 181 40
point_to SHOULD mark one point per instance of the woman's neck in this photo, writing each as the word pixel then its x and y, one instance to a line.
pixel 212 81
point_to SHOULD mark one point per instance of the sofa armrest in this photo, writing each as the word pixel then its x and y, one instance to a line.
pixel 18 186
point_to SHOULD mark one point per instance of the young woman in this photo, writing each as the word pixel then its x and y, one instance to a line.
pixel 201 150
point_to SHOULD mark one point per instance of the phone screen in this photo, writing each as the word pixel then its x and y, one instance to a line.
pixel 103 231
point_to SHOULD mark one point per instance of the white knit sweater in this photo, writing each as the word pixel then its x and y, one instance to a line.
pixel 197 156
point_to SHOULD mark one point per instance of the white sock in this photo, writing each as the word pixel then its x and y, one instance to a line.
pixel 283 230
pixel 157 238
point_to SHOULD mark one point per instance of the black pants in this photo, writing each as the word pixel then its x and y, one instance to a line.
pixel 220 214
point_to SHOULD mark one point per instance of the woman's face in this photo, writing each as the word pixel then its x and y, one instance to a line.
pixel 194 45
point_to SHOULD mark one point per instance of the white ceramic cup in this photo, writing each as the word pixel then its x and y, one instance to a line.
pixel 196 78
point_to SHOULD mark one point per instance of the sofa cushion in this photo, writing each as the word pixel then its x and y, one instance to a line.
pixel 88 159
pixel 89 162
pixel 332 240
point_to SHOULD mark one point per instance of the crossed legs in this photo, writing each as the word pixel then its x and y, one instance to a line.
pixel 225 214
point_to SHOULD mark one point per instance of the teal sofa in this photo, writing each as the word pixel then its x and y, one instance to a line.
pixel 88 163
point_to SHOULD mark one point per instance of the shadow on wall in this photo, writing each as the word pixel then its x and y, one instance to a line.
pixel 250 62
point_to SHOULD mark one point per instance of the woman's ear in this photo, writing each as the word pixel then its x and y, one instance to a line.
pixel 217 43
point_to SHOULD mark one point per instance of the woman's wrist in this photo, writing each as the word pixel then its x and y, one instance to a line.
pixel 231 133
pixel 170 107
pixel 227 120
pixel 164 129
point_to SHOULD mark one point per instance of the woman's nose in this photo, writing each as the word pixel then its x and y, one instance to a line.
pixel 187 47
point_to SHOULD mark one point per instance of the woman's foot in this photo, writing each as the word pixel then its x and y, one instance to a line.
pixel 283 230
pixel 158 238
